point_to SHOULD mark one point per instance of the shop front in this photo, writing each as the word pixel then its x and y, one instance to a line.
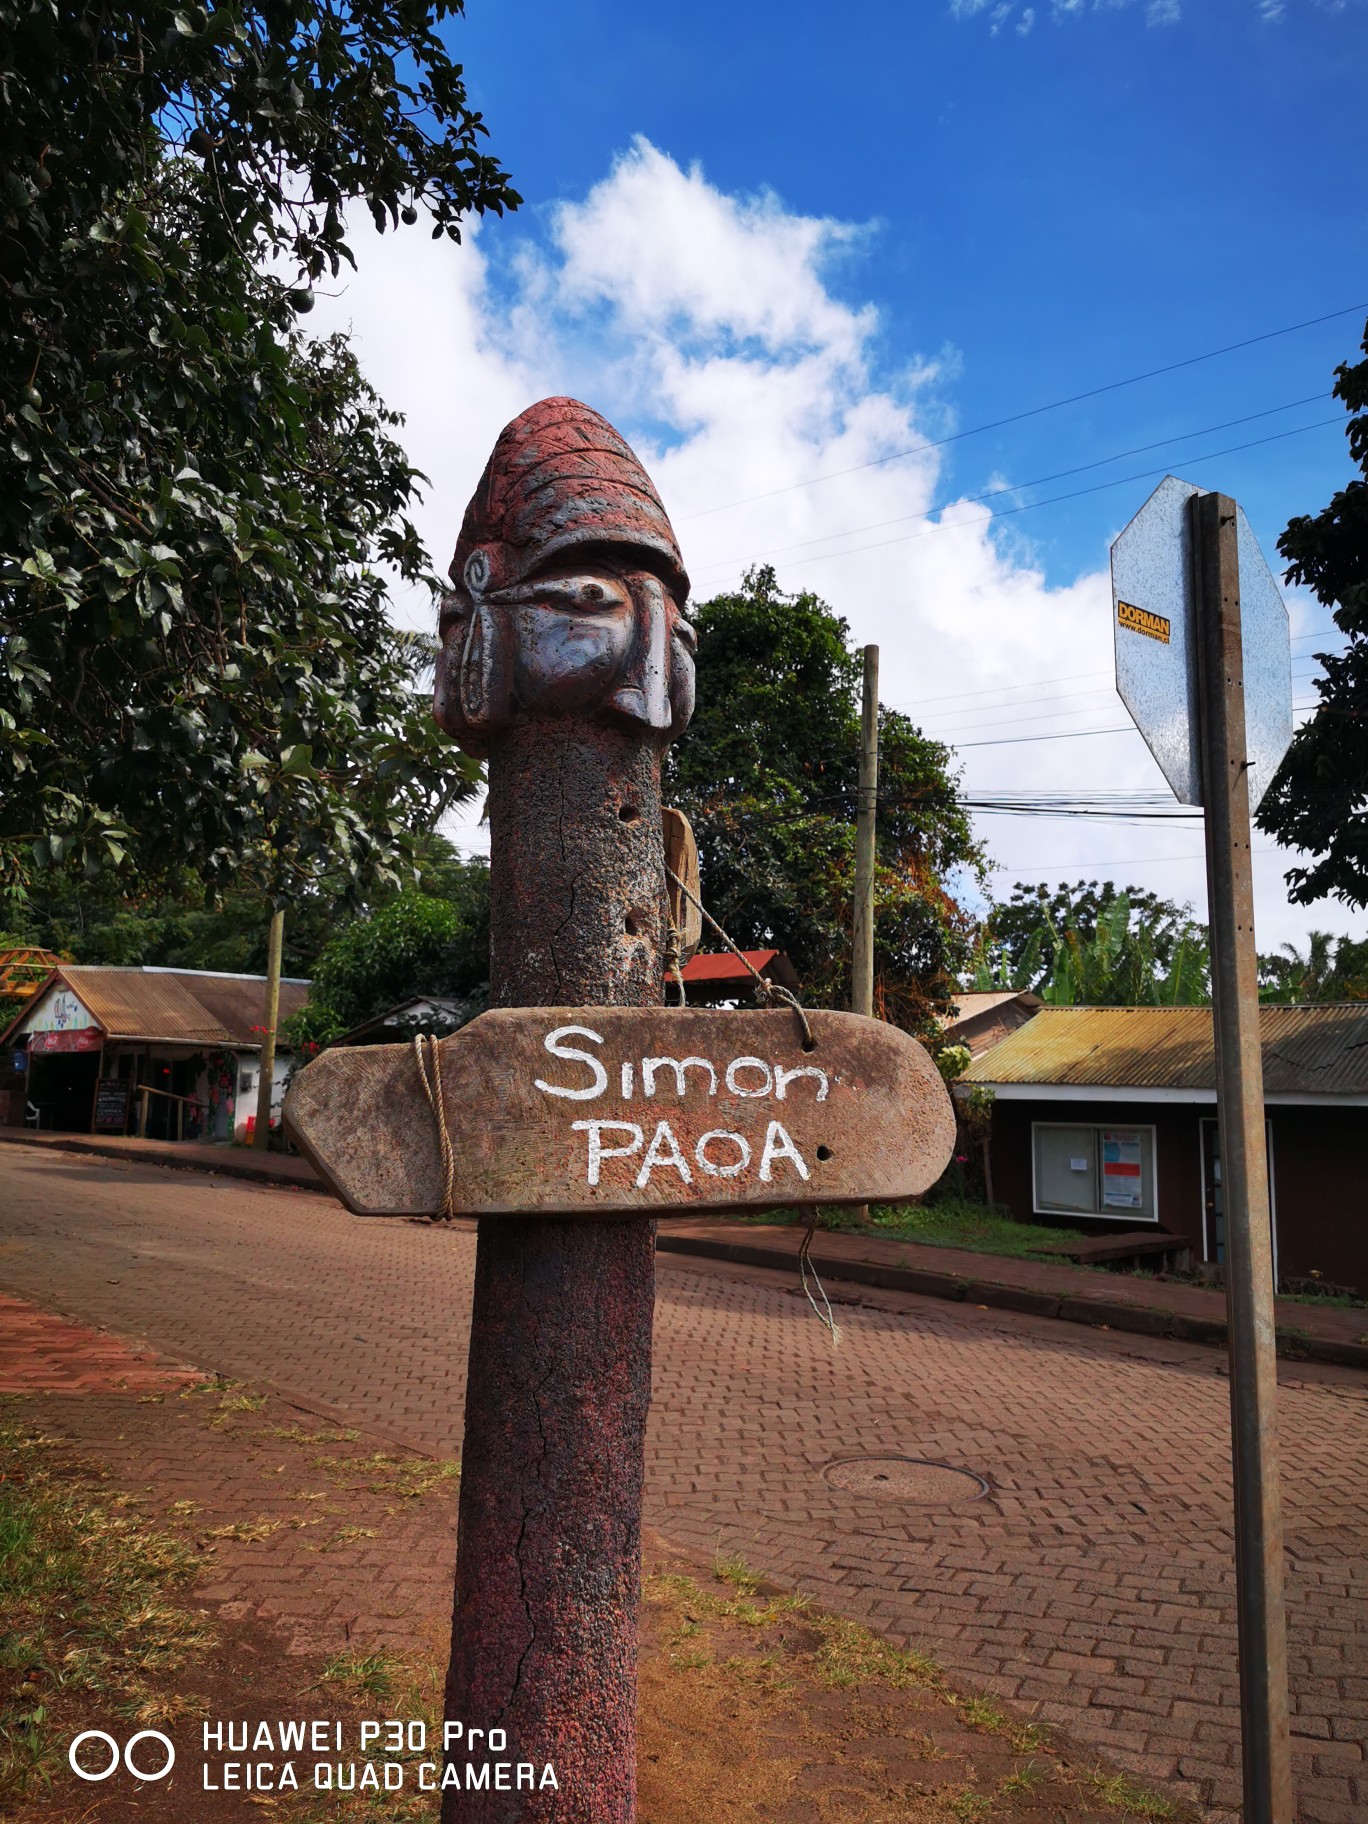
pixel 166 1054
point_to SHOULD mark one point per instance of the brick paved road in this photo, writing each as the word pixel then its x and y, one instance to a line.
pixel 1091 1585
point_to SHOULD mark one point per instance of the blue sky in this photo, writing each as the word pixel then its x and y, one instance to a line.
pixel 1092 199
pixel 773 243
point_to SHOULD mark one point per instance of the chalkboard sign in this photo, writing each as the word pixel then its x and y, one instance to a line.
pixel 111 1105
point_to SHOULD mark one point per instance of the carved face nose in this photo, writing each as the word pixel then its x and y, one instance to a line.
pixel 644 693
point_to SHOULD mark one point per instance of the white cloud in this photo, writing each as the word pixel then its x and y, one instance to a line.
pixel 716 332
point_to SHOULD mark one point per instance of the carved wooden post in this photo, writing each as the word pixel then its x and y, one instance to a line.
pixel 565 659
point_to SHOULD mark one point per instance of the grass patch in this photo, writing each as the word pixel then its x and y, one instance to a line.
pixel 850 1655
pixel 951 1222
pixel 1118 1792
pixel 367 1674
pixel 87 1596
pixel 297 1434
pixel 246 1532
pixel 405 1478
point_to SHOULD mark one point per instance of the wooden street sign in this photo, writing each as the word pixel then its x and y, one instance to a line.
pixel 600 1111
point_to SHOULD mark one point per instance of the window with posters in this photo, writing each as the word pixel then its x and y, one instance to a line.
pixel 1085 1170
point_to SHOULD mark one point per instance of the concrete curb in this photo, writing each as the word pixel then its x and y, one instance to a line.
pixel 1101 1313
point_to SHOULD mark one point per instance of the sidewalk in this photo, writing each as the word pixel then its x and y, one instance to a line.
pixel 1080 1295
pixel 190 1155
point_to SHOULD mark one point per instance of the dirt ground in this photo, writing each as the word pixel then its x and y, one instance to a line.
pixel 127 1605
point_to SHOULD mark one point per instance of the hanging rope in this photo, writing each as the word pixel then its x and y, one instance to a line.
pixel 772 992
pixel 805 1267
pixel 426 1050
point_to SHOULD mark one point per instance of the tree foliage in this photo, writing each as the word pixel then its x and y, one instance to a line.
pixel 1329 969
pixel 177 923
pixel 1091 945
pixel 196 664
pixel 767 773
pixel 415 945
pixel 1318 801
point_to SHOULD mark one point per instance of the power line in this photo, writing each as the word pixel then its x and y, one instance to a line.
pixel 1039 481
pixel 1034 411
pixel 1073 677
pixel 1047 715
pixel 1111 861
pixel 1052 500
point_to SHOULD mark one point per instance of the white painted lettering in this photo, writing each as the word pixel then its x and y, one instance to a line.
pixel 627 1080
pixel 649 1067
pixel 573 1054
pixel 663 1150
pixel 779 1146
pixel 598 1152
pixel 782 1079
pixel 749 1064
pixel 713 1170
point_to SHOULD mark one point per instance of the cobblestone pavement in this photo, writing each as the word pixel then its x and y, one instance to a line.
pixel 1091 1585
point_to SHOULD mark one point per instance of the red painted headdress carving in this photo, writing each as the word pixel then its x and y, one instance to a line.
pixel 561 476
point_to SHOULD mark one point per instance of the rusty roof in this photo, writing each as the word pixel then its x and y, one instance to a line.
pixel 177 1006
pixel 722 966
pixel 1306 1050
pixel 971 1003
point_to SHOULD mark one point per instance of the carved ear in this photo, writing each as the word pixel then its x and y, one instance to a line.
pixel 476 573
pixel 486 670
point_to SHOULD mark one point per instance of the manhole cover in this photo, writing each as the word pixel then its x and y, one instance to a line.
pixel 905 1479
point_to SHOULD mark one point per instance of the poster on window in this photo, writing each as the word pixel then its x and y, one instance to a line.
pixel 1121 1183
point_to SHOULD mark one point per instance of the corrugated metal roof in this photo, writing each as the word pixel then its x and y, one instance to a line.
pixel 722 966
pixel 973 1004
pixel 1306 1050
pixel 182 1006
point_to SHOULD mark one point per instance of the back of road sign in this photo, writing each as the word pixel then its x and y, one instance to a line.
pixel 1153 597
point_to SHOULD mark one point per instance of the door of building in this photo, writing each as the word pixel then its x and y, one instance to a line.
pixel 1213 1195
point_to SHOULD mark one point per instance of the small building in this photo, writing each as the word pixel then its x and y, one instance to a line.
pixel 172 1053
pixel 1106 1115
pixel 716 976
pixel 434 1014
pixel 980 1021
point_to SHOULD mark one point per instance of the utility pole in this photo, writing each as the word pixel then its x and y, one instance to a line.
pixel 274 944
pixel 1265 1743
pixel 862 946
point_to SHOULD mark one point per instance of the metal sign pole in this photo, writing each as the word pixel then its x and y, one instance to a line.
pixel 1244 1168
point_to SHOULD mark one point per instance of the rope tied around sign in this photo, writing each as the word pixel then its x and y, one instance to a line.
pixel 776 994
pixel 773 992
pixel 427 1050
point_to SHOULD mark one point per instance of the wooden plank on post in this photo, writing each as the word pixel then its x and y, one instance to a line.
pixel 597 1111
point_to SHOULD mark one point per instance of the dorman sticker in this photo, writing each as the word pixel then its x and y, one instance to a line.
pixel 1140 620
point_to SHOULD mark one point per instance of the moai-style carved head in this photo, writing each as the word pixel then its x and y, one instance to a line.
pixel 568 588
